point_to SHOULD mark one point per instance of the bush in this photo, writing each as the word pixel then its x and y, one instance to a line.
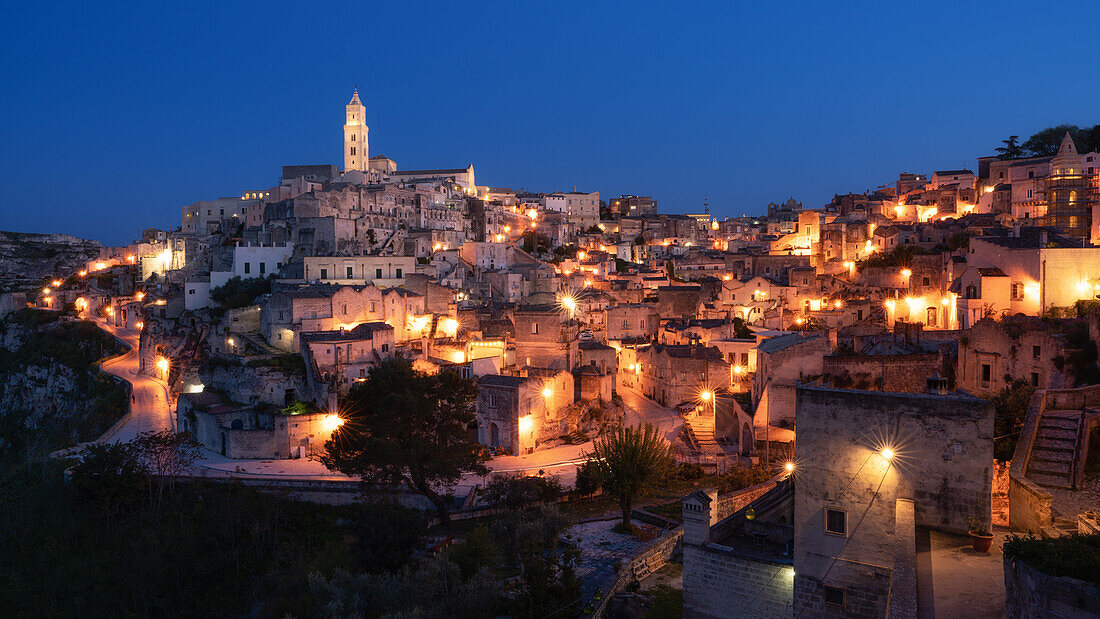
pixel 1075 556
pixel 588 479
pixel 518 491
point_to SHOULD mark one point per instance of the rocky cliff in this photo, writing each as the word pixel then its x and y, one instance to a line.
pixel 26 259
pixel 51 393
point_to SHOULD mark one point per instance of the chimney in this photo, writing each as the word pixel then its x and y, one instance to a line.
pixel 700 513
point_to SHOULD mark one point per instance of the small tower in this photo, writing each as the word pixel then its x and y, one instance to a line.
pixel 356 155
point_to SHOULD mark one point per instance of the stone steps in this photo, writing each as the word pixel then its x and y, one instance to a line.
pixel 1051 481
pixel 1055 444
pixel 1058 434
pixel 1061 423
pixel 1051 455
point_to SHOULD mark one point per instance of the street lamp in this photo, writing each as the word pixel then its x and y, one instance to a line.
pixel 789 467
pixel 887 453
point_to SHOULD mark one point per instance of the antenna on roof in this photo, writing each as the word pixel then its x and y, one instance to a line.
pixel 706 205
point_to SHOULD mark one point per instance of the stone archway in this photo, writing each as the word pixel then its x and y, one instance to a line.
pixel 746 440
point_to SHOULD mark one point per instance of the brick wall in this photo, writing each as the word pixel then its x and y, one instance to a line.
pixel 718 583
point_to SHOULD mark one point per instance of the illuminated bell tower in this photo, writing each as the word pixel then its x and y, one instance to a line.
pixel 355 135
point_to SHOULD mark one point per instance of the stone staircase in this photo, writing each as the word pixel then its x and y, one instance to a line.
pixel 701 435
pixel 1055 448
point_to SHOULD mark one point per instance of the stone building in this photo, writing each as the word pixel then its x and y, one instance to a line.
pixel 631 321
pixel 781 363
pixel 870 468
pixel 992 354
pixel 251 431
pixel 674 374
pixel 543 336
pixel 516 413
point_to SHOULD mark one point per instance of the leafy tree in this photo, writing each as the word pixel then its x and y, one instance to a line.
pixel 239 292
pixel 1046 142
pixel 407 428
pixel 630 460
pixel 588 478
pixel 109 475
pixel 1011 149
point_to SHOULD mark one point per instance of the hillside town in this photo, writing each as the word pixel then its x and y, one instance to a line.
pixel 858 353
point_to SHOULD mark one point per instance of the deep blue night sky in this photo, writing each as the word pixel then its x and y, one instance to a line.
pixel 116 116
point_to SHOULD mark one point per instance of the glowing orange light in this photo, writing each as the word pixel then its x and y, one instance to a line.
pixel 547 392
pixel 331 422
pixel 789 466
pixel 162 364
pixel 887 453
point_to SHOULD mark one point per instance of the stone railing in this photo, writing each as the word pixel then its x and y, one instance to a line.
pixel 1028 504
pixel 1031 593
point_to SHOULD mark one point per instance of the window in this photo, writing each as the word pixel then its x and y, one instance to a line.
pixel 353 139
pixel 385 347
pixel 626 323
pixel 834 596
pixel 378 273
pixel 986 373
pixel 744 358
pixel 1036 352
pixel 349 272
pixel 324 273
pixel 932 314
pixel 247 268
pixel 373 307
pixel 926 281
pixel 398 272
pixel 836 522
pixel 1034 379
pixel 345 308
pixel 1017 291
pixel 263 268
pixel 353 150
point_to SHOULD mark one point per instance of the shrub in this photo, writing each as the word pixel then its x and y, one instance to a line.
pixel 1075 556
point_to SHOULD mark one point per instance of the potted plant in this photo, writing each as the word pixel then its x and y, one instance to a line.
pixel 981 538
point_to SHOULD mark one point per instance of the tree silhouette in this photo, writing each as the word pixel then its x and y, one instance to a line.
pixel 407 428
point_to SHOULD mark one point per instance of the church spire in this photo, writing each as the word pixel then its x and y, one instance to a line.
pixel 355 96
pixel 1067 147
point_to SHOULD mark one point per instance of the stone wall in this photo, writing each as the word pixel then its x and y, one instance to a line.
pixel 905 373
pixel 720 583
pixel 1030 593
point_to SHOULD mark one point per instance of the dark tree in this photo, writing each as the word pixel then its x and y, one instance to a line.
pixel 1011 148
pixel 520 491
pixel 406 428
pixel 630 460
pixel 1046 142
pixel 239 292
